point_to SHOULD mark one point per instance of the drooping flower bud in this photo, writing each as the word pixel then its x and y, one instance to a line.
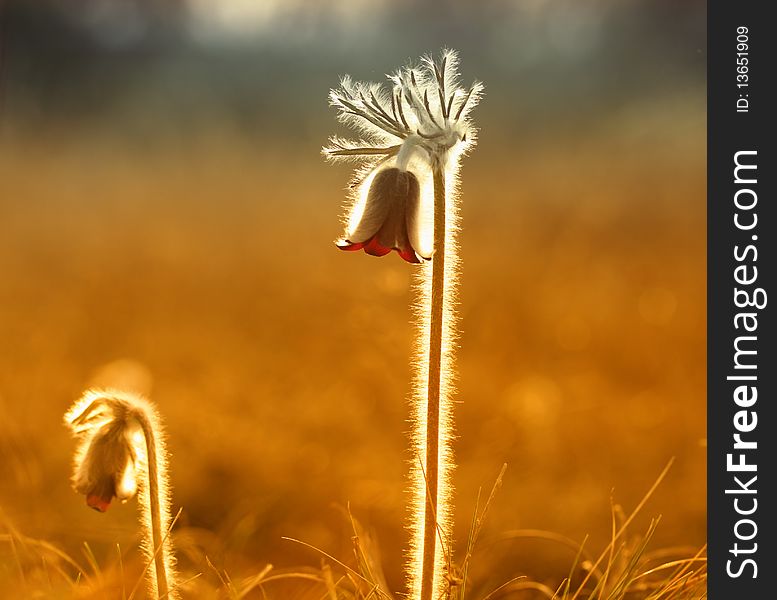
pixel 120 435
pixel 104 466
pixel 108 468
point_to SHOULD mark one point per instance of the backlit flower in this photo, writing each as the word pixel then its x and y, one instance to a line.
pixel 390 218
pixel 105 462
pixel 120 445
pixel 422 120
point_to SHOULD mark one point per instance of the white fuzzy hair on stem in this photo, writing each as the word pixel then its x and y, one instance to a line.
pixel 420 126
pixel 119 437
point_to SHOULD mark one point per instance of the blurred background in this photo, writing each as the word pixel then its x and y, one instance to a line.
pixel 166 224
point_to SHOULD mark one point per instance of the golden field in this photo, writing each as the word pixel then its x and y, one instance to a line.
pixel 203 274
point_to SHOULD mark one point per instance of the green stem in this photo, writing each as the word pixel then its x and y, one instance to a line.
pixel 428 575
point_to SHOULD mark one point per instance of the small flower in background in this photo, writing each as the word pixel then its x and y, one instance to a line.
pixel 121 445
pixel 105 460
pixel 422 121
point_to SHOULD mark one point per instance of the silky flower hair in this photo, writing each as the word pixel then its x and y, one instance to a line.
pixel 419 123
pixel 404 198
pixel 119 438
pixel 425 107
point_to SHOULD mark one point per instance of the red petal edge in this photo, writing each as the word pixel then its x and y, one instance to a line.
pixel 409 255
pixel 98 503
pixel 374 248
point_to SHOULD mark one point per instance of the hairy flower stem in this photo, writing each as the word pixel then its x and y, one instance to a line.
pixel 154 505
pixel 431 467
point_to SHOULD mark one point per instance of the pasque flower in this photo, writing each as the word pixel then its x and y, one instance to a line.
pixel 421 120
pixel 119 439
pixel 404 198
pixel 105 464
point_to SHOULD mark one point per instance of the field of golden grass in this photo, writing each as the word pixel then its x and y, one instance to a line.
pixel 204 275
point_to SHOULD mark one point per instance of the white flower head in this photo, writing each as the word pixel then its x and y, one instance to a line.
pixel 421 120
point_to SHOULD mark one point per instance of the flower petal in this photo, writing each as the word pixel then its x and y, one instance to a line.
pixel 409 255
pixel 127 485
pixel 98 503
pixel 400 189
pixel 375 248
pixel 415 223
pixel 376 209
pixel 393 231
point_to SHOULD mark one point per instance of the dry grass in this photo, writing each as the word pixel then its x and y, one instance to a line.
pixel 626 569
